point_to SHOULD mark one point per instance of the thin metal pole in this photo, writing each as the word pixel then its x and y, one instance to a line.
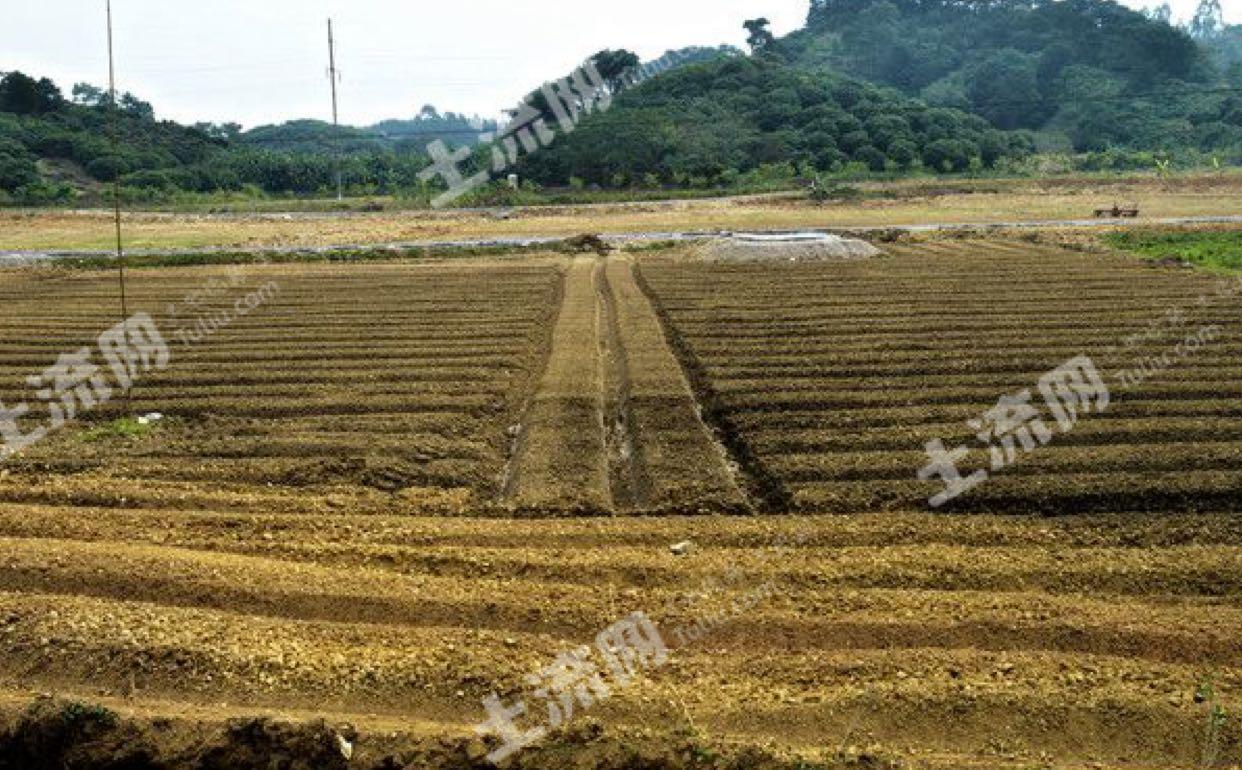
pixel 116 185
pixel 340 195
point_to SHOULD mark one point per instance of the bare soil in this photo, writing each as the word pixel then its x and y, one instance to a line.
pixel 338 532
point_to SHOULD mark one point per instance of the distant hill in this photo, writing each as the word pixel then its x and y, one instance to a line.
pixel 59 150
pixel 886 86
pixel 312 137
pixel 55 149
pixel 711 123
pixel 429 125
pixel 1092 72
pixel 37 123
pixel 400 136
pixel 942 84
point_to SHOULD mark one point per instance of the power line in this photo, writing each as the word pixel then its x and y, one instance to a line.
pixel 340 194
pixel 116 192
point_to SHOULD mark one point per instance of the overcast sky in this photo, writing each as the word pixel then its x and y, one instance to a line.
pixel 264 61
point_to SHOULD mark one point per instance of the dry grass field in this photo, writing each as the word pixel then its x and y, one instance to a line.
pixel 395 488
pixel 891 204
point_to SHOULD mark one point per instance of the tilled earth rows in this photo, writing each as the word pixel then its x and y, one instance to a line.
pixel 296 538
pixel 831 378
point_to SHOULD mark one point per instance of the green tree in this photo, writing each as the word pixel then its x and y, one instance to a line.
pixel 904 153
pixel 1208 21
pixel 1161 13
pixel 137 107
pixel 88 95
pixel 614 65
pixel 107 168
pixel 1004 89
pixel 948 155
pixel 872 157
pixel 759 37
pixel 23 95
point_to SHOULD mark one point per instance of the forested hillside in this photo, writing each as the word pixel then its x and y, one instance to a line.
pixel 55 150
pixel 711 123
pixel 867 86
pixel 1088 73
pixel 37 123
pixel 942 85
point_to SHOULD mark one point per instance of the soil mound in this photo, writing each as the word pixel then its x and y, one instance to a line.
pixel 787 247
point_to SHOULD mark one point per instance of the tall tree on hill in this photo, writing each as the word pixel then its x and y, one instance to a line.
pixel 88 95
pixel 1162 13
pixel 23 95
pixel 137 107
pixel 759 36
pixel 613 66
pixel 1208 22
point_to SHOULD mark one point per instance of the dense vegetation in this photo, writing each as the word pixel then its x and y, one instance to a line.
pixel 37 122
pixel 54 149
pixel 1217 249
pixel 1088 74
pixel 715 122
pixel 938 85
pixel 867 87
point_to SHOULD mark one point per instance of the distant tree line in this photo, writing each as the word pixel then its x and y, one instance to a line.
pixel 38 122
pixel 868 86
pixel 155 159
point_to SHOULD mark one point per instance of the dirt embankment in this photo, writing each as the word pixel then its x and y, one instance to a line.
pixel 613 426
pixel 559 457
pixel 54 734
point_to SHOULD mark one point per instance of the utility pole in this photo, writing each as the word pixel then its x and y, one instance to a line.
pixel 115 107
pixel 340 195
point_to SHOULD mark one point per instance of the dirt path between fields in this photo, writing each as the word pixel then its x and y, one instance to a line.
pixel 683 467
pixel 559 460
pixel 614 426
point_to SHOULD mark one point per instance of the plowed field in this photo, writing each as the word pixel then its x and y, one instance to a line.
pixel 392 489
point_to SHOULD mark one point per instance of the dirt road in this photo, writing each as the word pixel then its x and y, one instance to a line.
pixel 35 256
